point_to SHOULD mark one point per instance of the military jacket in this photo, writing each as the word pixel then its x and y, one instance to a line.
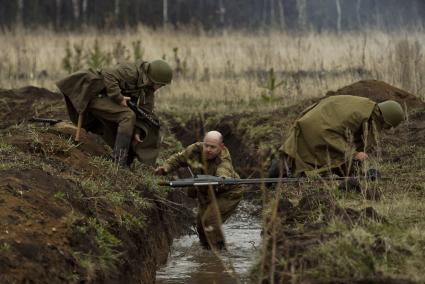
pixel 193 157
pixel 330 132
pixel 122 80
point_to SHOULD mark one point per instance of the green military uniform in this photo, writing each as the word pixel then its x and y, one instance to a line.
pixel 208 225
pixel 330 132
pixel 97 94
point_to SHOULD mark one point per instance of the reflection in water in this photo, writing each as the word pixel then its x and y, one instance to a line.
pixel 189 263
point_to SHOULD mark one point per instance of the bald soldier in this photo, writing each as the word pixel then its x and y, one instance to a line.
pixel 209 157
pixel 333 134
pixel 102 97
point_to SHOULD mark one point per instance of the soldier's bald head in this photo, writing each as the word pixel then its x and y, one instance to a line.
pixel 214 135
pixel 213 144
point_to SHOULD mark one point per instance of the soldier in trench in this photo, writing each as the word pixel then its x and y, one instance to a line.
pixel 102 97
pixel 335 135
pixel 210 157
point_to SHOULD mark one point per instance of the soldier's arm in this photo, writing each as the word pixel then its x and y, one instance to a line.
pixel 371 129
pixel 225 169
pixel 338 144
pixel 112 78
pixel 178 160
pixel 149 101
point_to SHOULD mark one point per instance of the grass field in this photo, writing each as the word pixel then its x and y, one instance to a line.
pixel 213 69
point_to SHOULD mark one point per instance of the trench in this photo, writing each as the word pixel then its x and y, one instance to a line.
pixel 188 262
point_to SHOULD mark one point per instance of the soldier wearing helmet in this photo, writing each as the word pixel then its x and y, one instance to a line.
pixel 333 135
pixel 102 96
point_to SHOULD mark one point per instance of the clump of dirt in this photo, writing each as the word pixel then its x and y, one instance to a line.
pixel 411 132
pixel 380 91
pixel 22 104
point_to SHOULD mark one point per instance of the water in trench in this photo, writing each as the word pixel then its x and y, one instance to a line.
pixel 189 263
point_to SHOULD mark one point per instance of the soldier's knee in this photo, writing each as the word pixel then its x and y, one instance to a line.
pixel 129 117
pixel 210 219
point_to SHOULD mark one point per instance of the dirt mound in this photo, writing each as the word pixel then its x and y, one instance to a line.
pixel 21 104
pixel 34 239
pixel 411 132
pixel 55 145
pixel 379 91
pixel 67 215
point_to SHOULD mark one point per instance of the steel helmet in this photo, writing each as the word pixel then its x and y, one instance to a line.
pixel 392 112
pixel 159 72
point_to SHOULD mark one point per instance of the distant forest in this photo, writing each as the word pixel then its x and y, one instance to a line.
pixel 291 15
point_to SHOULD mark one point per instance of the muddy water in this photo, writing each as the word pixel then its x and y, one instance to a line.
pixel 189 263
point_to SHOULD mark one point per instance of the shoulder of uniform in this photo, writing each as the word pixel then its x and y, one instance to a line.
pixel 123 67
pixel 225 154
pixel 195 147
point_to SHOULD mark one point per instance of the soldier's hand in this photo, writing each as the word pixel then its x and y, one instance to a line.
pixel 360 156
pixel 124 101
pixel 160 171
pixel 136 139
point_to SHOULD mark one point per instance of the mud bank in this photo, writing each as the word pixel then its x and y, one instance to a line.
pixel 69 215
pixel 320 234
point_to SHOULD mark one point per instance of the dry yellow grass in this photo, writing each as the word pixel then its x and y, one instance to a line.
pixel 231 66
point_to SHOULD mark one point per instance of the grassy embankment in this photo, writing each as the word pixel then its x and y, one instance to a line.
pixel 219 75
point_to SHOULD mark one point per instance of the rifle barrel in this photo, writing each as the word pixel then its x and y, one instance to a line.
pixel 217 181
pixel 49 121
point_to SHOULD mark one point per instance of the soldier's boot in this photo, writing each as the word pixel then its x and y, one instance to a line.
pixel 212 235
pixel 280 167
pixel 121 149
pixel 130 158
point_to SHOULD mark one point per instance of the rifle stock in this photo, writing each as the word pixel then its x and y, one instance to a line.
pixel 144 115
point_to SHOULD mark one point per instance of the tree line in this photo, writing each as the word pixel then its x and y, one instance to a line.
pixel 290 15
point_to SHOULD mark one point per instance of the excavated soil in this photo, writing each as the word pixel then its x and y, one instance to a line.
pixel 39 232
pixel 47 232
pixel 22 104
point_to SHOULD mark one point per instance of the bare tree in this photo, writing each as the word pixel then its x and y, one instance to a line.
pixel 221 12
pixel 117 8
pixel 281 15
pixel 358 5
pixel 302 14
pixel 377 14
pixel 272 14
pixel 76 9
pixel 20 12
pixel 84 8
pixel 164 12
pixel 264 18
pixel 339 18
pixel 58 13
